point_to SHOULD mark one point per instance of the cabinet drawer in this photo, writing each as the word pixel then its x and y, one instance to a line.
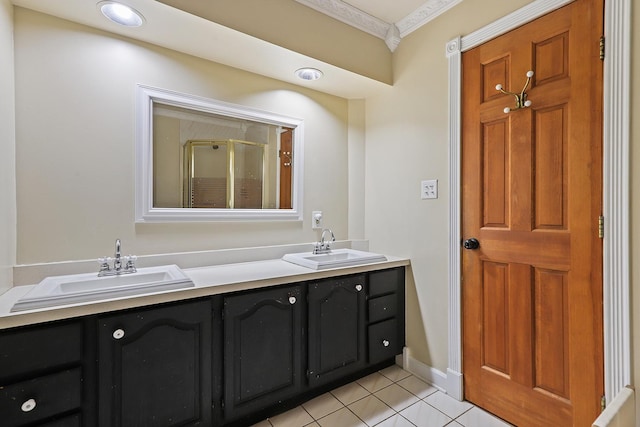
pixel 51 394
pixel 384 282
pixel 28 350
pixel 384 342
pixel 383 308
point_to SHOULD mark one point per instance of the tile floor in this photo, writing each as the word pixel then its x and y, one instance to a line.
pixel 391 397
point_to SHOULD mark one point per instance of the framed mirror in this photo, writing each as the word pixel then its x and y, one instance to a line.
pixel 199 159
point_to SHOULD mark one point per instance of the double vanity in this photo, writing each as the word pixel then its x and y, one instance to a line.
pixel 227 344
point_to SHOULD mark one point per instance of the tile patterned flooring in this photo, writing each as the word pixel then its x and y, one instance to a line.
pixel 391 397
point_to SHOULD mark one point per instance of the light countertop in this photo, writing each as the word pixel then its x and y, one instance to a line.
pixel 208 281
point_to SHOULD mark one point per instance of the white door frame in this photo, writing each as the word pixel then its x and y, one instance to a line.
pixel 616 187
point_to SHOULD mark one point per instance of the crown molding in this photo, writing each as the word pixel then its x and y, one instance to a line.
pixel 425 13
pixel 389 32
pixel 350 15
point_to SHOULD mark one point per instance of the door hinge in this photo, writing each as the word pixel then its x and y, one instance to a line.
pixel 601 227
pixel 602 48
pixel 603 403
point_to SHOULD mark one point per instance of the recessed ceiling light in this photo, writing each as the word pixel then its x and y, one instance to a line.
pixel 121 14
pixel 309 73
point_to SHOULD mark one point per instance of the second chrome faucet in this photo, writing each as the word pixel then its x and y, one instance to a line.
pixel 324 245
pixel 105 263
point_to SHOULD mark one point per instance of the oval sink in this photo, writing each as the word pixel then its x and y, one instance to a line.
pixel 334 258
pixel 76 288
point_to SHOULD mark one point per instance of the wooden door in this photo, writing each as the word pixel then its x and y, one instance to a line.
pixel 263 349
pixel 336 328
pixel 155 366
pixel 532 291
pixel 286 168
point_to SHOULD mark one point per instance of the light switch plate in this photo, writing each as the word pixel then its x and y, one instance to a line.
pixel 429 189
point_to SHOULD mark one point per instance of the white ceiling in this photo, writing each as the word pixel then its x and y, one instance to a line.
pixel 390 11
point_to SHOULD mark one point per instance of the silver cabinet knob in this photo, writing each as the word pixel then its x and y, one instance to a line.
pixel 118 333
pixel 385 343
pixel 28 405
pixel 292 300
pixel 358 288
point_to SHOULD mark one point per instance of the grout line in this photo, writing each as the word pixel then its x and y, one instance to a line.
pixel 464 413
pixel 370 394
pixel 441 411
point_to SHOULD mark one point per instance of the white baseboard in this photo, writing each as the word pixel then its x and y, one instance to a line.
pixel 425 372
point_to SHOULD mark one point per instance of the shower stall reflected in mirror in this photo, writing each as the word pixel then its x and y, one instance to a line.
pixel 226 174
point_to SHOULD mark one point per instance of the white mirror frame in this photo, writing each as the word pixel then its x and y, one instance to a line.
pixel 144 210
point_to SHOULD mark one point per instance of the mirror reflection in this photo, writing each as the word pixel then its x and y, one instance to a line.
pixel 199 159
pixel 207 160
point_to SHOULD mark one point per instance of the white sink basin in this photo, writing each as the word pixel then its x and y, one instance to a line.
pixel 335 258
pixel 76 288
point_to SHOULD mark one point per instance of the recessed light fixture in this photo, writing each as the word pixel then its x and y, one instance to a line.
pixel 121 13
pixel 309 73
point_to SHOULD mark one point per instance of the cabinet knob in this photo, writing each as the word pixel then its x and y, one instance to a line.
pixel 28 405
pixel 385 343
pixel 358 288
pixel 118 333
pixel 292 300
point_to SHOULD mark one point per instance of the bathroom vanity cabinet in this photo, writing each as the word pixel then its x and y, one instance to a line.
pixel 225 360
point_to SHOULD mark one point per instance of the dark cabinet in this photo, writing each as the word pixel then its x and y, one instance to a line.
pixel 155 366
pixel 336 322
pixel 230 359
pixel 41 374
pixel 386 314
pixel 263 350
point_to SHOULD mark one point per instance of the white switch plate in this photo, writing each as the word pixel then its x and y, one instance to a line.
pixel 429 189
pixel 316 220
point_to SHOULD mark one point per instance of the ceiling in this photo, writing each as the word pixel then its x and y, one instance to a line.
pixel 165 26
pixel 388 11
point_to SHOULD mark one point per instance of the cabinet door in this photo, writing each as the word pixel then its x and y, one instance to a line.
pixel 155 366
pixel 262 349
pixel 336 328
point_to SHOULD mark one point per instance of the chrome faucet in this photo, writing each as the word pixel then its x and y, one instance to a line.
pixel 324 246
pixel 117 269
pixel 117 264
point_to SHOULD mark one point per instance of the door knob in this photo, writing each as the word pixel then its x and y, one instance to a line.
pixel 471 243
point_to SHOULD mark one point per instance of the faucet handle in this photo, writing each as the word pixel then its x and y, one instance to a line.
pixel 130 263
pixel 103 266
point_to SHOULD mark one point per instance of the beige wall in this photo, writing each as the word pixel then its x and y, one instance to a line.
pixel 357 144
pixel 406 143
pixel 7 148
pixel 75 144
